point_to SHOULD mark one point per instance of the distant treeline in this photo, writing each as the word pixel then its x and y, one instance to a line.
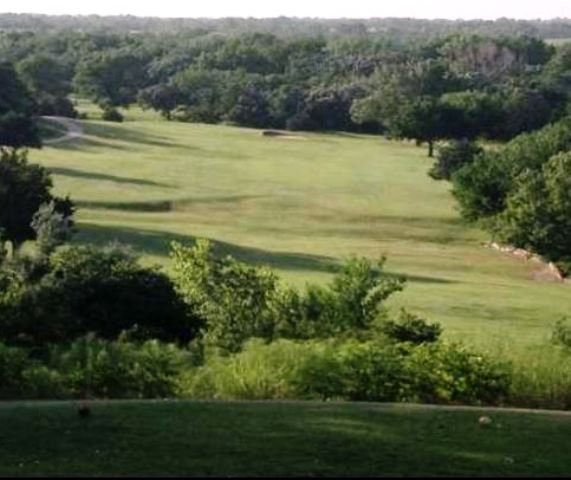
pixel 396 28
pixel 456 86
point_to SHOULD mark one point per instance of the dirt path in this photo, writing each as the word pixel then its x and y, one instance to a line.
pixel 73 127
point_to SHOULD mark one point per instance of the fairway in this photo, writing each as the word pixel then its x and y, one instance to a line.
pixel 265 439
pixel 301 205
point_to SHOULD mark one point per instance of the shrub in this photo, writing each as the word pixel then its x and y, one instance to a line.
pixel 105 291
pixel 13 362
pixel 241 301
pixel 41 382
pixel 538 212
pixel 119 369
pixel 352 370
pixel 111 114
pixel 482 187
pixel 452 157
pixel 562 332
pixel 259 371
pixel 541 377
pixel 451 373
pixel 411 328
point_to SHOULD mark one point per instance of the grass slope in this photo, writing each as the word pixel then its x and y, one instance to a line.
pixel 301 205
pixel 273 439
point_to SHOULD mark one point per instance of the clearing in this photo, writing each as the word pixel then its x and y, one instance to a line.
pixel 300 207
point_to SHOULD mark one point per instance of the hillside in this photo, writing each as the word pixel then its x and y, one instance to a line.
pixel 300 204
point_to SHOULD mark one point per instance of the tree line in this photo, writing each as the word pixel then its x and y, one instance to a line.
pixel 453 87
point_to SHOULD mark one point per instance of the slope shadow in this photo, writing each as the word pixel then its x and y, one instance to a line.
pixel 154 242
pixel 98 135
pixel 163 205
pixel 68 172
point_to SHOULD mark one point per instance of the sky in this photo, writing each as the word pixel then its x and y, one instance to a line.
pixel 450 9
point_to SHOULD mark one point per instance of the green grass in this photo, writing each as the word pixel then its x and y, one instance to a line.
pixel 278 439
pixel 300 206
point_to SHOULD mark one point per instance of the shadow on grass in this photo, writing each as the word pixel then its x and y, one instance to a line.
pixel 154 242
pixel 164 205
pixel 68 172
pixel 97 135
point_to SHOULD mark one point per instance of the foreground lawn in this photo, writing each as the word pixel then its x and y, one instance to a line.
pixel 228 439
pixel 300 205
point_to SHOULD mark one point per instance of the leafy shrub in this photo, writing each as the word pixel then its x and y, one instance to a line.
pixel 451 373
pixel 241 301
pixel 119 369
pixel 411 328
pixel 541 377
pixel 452 157
pixel 562 332
pixel 258 371
pixel 13 362
pixel 41 382
pixel 538 212
pixel 352 370
pixel 482 187
pixel 111 114
pixel 105 291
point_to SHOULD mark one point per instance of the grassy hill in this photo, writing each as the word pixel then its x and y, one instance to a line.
pixel 265 439
pixel 301 204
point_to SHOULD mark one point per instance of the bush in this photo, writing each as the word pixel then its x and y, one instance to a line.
pixel 119 369
pixel 541 377
pixel 452 157
pixel 111 114
pixel 259 371
pixel 241 301
pixel 411 328
pixel 41 382
pixel 352 370
pixel 13 362
pixel 482 187
pixel 562 332
pixel 451 373
pixel 87 289
pixel 537 215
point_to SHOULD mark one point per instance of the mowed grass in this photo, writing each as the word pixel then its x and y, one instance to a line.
pixel 301 205
pixel 278 439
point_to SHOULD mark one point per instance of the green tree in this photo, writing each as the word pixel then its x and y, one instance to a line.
pixel 111 78
pixel 24 187
pixel 17 127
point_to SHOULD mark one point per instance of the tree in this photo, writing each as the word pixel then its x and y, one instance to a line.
pixel 453 157
pixel 163 98
pixel 427 119
pixel 52 228
pixel 111 78
pixel 49 80
pixel 85 289
pixel 24 187
pixel 538 211
pixel 17 127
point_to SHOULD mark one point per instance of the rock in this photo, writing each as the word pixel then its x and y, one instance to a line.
pixel 485 421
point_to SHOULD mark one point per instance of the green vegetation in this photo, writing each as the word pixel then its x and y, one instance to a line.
pixel 300 205
pixel 281 439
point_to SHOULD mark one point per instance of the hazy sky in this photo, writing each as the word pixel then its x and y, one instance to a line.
pixel 468 9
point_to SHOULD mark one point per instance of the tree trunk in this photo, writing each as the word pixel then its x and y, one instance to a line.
pixel 430 149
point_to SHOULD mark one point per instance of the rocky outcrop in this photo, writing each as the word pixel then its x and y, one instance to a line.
pixel 550 270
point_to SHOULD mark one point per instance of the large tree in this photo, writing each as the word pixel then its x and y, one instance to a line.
pixel 111 78
pixel 17 127
pixel 24 187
